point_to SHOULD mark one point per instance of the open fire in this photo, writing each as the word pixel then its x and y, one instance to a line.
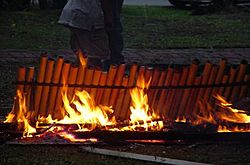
pixel 81 113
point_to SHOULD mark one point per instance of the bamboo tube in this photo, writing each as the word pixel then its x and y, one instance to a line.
pixel 167 111
pixel 45 92
pixel 28 88
pixel 125 113
pixel 173 107
pixel 20 87
pixel 80 77
pixel 148 75
pixel 224 81
pixel 124 109
pixel 117 82
pixel 164 93
pixel 211 80
pixel 191 78
pixel 156 93
pixel 102 82
pixel 88 77
pixel 72 81
pixel 96 79
pixel 55 80
pixel 40 79
pixel 154 82
pixel 245 88
pixel 232 76
pixel 218 79
pixel 59 111
pixel 239 78
pixel 193 98
pixel 110 80
pixel 119 100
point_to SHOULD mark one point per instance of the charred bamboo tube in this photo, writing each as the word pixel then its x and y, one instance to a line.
pixel 59 111
pixel 117 82
pixel 125 113
pixel 125 106
pixel 28 88
pixel 173 108
pixel 20 87
pixel 72 81
pixel 154 82
pixel 88 77
pixel 186 93
pixel 156 93
pixel 96 79
pixel 239 78
pixel 40 79
pixel 55 80
pixel 164 93
pixel 102 82
pixel 45 92
pixel 167 111
pixel 110 80
pixel 232 76
pixel 245 88
pixel 211 80
pixel 193 97
pixel 218 79
pixel 224 81
pixel 204 81
pixel 119 100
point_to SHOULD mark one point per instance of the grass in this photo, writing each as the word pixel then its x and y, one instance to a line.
pixel 144 27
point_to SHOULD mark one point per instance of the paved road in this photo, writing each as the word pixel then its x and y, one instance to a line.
pixel 148 2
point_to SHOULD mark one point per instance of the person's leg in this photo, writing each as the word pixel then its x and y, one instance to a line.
pixel 113 26
pixel 94 44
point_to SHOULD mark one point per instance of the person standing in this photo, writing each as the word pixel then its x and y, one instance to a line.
pixel 112 19
pixel 85 19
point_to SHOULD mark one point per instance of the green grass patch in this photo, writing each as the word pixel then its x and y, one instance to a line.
pixel 144 27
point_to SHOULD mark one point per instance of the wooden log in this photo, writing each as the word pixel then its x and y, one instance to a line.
pixel 72 81
pixel 239 78
pixel 28 87
pixel 182 111
pixel 164 93
pixel 119 101
pixel 232 76
pixel 218 80
pixel 125 113
pixel 59 111
pixel 40 79
pixel 110 81
pixel 178 94
pixel 88 77
pixel 244 89
pixel 53 90
pixel 117 82
pixel 156 94
pixel 45 92
pixel 95 81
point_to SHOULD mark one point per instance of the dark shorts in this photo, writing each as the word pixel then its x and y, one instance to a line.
pixel 94 44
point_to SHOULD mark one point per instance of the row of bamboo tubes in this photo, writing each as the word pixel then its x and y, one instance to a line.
pixel 165 103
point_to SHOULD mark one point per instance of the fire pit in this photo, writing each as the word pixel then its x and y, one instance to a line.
pixel 85 104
